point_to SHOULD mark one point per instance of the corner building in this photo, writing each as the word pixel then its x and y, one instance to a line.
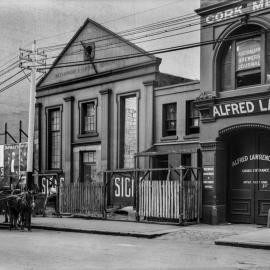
pixel 234 107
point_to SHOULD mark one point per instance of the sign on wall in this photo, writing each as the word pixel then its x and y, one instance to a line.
pixel 249 165
pixel 237 11
pixel 241 108
pixel 208 178
pixel 248 54
pixel 13 162
pixel 122 190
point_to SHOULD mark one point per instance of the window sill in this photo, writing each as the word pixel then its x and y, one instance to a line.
pixel 192 136
pixel 87 135
pixel 169 138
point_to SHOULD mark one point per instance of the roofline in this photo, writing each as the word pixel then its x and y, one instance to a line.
pixel 208 9
pixel 178 84
pixel 88 20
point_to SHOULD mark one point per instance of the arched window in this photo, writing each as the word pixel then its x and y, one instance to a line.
pixel 244 58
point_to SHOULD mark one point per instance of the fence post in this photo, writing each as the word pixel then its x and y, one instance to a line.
pixel 181 196
pixel 199 173
pixel 105 195
pixel 137 181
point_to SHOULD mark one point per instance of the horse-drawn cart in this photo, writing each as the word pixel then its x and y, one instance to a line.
pixel 17 206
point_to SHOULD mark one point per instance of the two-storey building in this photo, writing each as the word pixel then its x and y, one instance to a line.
pixel 234 106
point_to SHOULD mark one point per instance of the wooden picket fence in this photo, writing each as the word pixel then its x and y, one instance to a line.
pixel 82 198
pixel 169 200
pixel 159 199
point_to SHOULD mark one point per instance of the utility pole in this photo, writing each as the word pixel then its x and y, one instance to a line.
pixel 30 59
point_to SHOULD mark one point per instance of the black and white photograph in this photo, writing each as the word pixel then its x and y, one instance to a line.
pixel 135 134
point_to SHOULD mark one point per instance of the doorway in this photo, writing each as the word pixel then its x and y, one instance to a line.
pixel 249 177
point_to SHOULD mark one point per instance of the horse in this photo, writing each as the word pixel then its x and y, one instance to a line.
pixel 27 205
pixel 4 194
pixel 20 207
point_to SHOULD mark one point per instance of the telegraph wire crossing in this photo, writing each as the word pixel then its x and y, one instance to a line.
pixel 123 33
pixel 141 27
pixel 170 49
pixel 166 50
pixel 86 40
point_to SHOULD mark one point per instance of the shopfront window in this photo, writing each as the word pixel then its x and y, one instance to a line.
pixel 243 60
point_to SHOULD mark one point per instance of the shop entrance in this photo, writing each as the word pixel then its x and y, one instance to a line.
pixel 249 177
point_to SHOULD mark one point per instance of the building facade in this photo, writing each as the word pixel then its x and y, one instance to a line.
pixel 96 106
pixel 234 108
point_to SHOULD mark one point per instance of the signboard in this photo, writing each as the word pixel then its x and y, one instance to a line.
pixel 248 165
pixel 208 178
pixel 237 11
pixel 248 54
pixel 13 162
pixel 122 190
pixel 241 108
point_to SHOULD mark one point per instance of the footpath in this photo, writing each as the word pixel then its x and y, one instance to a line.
pixel 239 235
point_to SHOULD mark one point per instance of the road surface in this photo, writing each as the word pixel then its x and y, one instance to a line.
pixel 41 249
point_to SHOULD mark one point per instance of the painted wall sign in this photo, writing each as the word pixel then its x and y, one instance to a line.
pixel 237 11
pixel 241 108
pixel 251 157
pixel 122 191
pixel 247 167
pixel 208 178
pixel 248 54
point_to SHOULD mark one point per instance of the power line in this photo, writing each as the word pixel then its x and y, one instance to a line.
pixel 10 77
pixel 160 51
pixel 117 19
pixel 14 83
pixel 128 32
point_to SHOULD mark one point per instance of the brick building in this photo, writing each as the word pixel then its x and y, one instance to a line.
pixel 234 107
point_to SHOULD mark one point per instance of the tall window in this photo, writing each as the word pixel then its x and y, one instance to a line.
pixel 128 131
pixel 169 119
pixel 88 166
pixel 54 139
pixel 244 59
pixel 88 117
pixel 192 119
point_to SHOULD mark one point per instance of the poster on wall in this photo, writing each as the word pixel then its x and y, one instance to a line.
pixel 14 164
pixel 122 191
pixel 3 181
pixel 23 147
pixel 11 162
pixel 248 54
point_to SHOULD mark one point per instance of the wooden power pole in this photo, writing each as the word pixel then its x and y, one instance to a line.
pixel 30 59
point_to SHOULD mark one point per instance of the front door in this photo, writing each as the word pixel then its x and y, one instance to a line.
pixel 249 178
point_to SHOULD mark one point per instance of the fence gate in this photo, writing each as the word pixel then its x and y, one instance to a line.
pixel 176 199
pixel 172 194
pixel 82 198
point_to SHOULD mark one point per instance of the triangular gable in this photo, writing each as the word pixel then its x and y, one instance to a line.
pixel 111 52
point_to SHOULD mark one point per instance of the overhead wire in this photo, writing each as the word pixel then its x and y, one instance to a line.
pixel 151 27
pixel 159 51
pixel 126 32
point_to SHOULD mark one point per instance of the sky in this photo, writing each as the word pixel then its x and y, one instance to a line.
pixel 53 22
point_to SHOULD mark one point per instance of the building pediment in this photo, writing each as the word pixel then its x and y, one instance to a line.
pixel 92 51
